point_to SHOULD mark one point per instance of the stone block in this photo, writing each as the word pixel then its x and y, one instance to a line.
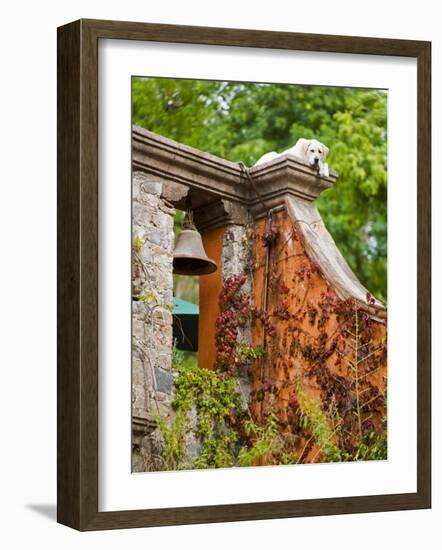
pixel 138 330
pixel 145 184
pixel 164 381
pixel 152 187
pixel 139 397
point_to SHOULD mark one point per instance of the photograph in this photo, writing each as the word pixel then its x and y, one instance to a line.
pixel 259 274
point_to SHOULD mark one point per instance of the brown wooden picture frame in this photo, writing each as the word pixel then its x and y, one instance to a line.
pixel 77 459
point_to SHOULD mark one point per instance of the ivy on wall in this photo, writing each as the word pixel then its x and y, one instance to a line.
pixel 345 422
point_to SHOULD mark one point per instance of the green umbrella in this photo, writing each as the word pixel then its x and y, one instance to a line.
pixel 185 324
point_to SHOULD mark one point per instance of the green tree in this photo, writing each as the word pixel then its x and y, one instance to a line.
pixel 242 121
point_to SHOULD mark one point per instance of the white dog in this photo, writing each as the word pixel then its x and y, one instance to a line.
pixel 310 151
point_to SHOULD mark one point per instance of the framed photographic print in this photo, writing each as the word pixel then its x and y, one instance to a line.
pixel 243 275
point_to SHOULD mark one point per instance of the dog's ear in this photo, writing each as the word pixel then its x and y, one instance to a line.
pixel 302 145
pixel 326 151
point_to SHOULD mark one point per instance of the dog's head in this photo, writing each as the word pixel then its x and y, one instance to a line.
pixel 314 151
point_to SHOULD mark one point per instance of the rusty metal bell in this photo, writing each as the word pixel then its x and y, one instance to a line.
pixel 189 256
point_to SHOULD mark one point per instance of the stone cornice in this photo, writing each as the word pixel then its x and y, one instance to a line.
pixel 173 161
pixel 143 425
pixel 216 178
pixel 284 176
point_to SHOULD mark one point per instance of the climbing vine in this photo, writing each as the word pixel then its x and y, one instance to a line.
pixel 235 312
pixel 309 340
pixel 224 431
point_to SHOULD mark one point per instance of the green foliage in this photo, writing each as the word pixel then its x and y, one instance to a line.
pixel 214 398
pixel 178 109
pixel 138 244
pixel 221 420
pixel 188 358
pixel 313 420
pixel 242 121
pixel 248 354
pixel 149 297
pixel 266 442
pixel 373 446
pixel 174 433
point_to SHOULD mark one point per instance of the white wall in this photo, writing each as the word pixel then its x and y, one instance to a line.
pixel 27 217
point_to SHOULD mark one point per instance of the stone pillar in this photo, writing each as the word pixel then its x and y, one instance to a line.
pixel 236 254
pixel 236 260
pixel 152 288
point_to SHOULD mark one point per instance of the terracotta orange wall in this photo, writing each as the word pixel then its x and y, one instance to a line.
pixel 210 287
pixel 308 322
pixel 285 361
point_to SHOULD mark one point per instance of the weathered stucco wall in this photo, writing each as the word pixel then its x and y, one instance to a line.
pixel 320 346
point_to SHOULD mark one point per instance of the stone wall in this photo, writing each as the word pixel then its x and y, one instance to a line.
pixel 237 253
pixel 152 293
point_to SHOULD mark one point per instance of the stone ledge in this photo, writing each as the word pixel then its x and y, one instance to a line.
pixel 173 161
pixel 142 425
pixel 285 176
pixel 209 177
